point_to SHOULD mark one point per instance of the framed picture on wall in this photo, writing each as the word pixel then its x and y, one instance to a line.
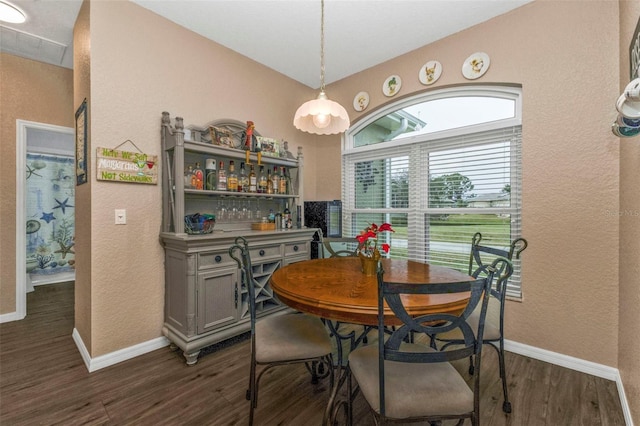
pixel 81 144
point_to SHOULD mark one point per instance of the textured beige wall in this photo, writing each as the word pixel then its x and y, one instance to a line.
pixel 81 91
pixel 570 160
pixel 31 91
pixel 629 347
pixel 141 65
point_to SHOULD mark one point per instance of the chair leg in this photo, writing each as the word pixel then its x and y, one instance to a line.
pixel 506 405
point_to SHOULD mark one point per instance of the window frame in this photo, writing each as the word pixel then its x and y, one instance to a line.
pixel 430 141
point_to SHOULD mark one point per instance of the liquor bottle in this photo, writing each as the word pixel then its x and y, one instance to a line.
pixel 188 178
pixel 197 178
pixel 262 181
pixel 269 182
pixel 222 177
pixel 210 174
pixel 253 181
pixel 286 217
pixel 232 178
pixel 276 180
pixel 243 180
pixel 283 182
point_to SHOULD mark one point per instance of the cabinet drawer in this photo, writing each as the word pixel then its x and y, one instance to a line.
pixel 296 249
pixel 266 252
pixel 215 259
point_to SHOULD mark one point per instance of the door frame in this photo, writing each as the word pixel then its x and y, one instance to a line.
pixel 21 207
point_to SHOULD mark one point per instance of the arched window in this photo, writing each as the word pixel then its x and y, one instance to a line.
pixel 439 167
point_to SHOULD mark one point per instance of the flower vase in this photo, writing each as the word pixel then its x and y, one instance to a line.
pixel 370 264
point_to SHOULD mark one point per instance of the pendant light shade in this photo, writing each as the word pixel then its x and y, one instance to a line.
pixel 321 116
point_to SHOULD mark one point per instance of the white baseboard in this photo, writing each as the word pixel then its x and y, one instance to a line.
pixel 11 316
pixel 102 361
pixel 576 364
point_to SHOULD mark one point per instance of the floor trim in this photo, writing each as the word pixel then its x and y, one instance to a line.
pixel 577 364
pixel 112 358
pixel 555 358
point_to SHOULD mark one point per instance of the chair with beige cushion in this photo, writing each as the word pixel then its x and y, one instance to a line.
pixel 281 339
pixel 480 258
pixel 409 382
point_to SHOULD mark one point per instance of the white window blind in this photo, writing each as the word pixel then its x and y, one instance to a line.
pixel 437 193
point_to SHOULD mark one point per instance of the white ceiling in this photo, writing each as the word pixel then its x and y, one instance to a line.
pixel 281 34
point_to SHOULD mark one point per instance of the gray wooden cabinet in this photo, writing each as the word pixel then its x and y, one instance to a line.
pixel 205 301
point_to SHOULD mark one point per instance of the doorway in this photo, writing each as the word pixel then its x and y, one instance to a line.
pixel 44 212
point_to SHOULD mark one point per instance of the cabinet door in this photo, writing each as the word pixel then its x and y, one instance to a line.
pixel 218 294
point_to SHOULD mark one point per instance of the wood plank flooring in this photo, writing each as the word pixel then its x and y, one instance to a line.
pixel 43 381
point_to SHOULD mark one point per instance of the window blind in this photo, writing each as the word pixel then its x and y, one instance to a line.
pixel 437 193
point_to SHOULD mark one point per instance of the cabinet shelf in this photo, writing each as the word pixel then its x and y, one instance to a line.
pixel 236 154
pixel 230 194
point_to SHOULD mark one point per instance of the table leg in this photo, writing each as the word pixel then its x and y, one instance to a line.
pixel 342 367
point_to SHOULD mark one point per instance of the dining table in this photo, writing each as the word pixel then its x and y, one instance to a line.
pixel 337 290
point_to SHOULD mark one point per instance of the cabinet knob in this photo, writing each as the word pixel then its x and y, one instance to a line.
pixel 218 259
pixel 261 253
pixel 295 248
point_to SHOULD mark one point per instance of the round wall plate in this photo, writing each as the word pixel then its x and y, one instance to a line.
pixel 392 85
pixel 475 65
pixel 361 101
pixel 430 72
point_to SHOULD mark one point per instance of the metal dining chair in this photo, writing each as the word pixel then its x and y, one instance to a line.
pixel 406 381
pixel 337 246
pixel 281 339
pixel 480 258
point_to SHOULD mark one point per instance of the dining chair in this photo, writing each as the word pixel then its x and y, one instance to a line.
pixel 480 258
pixel 330 247
pixel 337 246
pixel 280 339
pixel 404 380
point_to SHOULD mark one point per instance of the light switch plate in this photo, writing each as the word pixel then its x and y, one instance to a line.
pixel 121 217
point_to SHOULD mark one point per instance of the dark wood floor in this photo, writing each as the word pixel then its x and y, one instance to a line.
pixel 43 381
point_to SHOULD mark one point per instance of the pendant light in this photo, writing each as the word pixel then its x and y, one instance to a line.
pixel 321 116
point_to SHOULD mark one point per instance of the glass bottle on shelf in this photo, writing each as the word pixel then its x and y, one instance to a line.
pixel 243 179
pixel 262 181
pixel 269 182
pixel 283 182
pixel 210 174
pixel 197 178
pixel 232 178
pixel 222 177
pixel 275 179
pixel 188 177
pixel 286 217
pixel 253 181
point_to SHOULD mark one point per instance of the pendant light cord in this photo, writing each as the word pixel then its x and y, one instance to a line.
pixel 322 45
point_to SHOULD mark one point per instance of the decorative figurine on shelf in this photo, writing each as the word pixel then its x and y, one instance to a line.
pixel 248 140
pixel 288 153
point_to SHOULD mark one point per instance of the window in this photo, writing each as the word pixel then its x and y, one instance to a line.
pixel 439 167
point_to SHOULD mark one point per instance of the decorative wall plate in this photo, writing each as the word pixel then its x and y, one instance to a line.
pixel 361 101
pixel 392 85
pixel 475 65
pixel 430 72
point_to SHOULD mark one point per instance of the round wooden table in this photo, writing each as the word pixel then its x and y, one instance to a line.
pixel 336 289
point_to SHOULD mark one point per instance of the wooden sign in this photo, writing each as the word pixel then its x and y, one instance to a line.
pixel 126 166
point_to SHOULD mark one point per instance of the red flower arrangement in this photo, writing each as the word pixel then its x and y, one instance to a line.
pixel 368 239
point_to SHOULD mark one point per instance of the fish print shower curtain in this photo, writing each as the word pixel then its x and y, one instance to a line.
pixel 50 214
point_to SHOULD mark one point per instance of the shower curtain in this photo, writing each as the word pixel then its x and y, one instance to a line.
pixel 50 216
